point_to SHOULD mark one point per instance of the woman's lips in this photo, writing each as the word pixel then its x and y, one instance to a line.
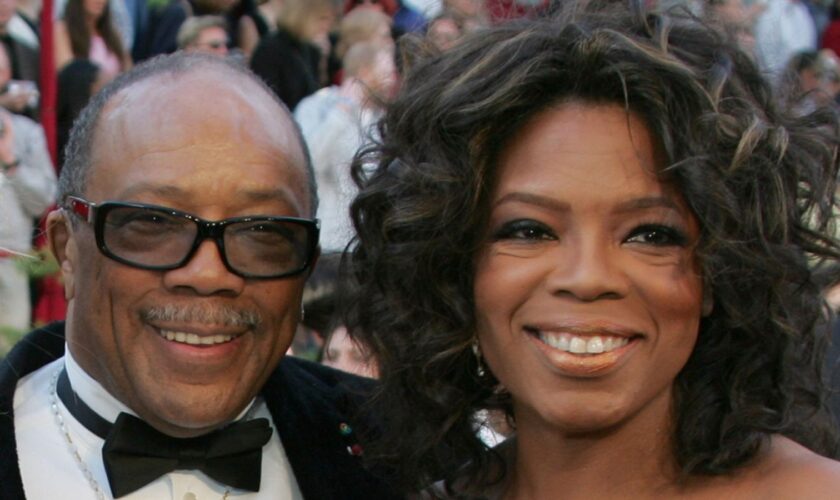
pixel 583 351
pixel 579 344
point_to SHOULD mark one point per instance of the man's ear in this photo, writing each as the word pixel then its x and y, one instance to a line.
pixel 63 247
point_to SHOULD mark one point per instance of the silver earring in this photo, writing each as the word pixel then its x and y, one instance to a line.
pixel 480 371
pixel 302 313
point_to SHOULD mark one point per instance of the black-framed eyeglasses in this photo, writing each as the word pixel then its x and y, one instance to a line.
pixel 160 238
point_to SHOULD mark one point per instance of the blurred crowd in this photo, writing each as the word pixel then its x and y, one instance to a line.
pixel 334 63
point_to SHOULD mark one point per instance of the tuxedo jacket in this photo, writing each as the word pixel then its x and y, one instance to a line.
pixel 308 403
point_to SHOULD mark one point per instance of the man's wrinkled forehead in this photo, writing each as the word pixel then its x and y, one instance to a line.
pixel 211 95
pixel 157 113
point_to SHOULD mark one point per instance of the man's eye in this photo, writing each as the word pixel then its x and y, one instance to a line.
pixel 524 229
pixel 264 231
pixel 143 219
pixel 657 235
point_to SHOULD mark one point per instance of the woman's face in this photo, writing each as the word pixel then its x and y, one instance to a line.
pixel 94 8
pixel 343 353
pixel 588 295
pixel 319 25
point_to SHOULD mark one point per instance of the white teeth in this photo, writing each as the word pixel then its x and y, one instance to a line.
pixel 564 342
pixel 577 346
pixel 193 339
pixel 595 345
pixel 583 345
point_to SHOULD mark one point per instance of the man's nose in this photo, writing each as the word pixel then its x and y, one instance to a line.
pixel 205 273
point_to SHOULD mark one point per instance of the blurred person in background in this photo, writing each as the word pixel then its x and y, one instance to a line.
pixel 86 32
pixel 261 19
pixel 343 353
pixel 320 335
pixel 473 13
pixel 444 31
pixel 735 19
pixel 811 80
pixel 245 27
pixel 782 30
pixel 27 189
pixel 405 18
pixel 22 48
pixel 293 60
pixel 336 121
pixel 268 12
pixel 361 24
pixel 126 19
pixel 165 18
pixel 78 81
pixel 204 34
pixel 831 35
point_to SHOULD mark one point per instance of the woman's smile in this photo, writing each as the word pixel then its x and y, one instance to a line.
pixel 578 349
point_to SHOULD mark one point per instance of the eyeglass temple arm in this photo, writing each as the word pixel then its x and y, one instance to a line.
pixel 81 207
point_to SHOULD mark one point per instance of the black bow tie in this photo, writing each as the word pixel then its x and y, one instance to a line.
pixel 135 454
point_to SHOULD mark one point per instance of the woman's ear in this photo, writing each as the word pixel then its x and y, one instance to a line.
pixel 63 247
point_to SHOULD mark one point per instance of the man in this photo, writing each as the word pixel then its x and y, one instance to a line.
pixel 204 34
pixel 184 239
pixel 27 189
pixel 336 121
pixel 166 17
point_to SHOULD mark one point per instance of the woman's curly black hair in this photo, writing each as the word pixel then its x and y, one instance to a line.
pixel 759 178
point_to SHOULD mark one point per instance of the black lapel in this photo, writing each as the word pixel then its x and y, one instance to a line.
pixel 313 409
pixel 37 349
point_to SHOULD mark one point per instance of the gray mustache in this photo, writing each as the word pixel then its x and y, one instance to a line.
pixel 208 315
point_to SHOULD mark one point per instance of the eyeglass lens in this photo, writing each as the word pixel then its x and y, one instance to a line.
pixel 155 238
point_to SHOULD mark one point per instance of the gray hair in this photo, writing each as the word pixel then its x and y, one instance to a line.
pixel 189 32
pixel 78 153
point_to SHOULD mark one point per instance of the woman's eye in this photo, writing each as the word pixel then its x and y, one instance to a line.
pixel 524 230
pixel 657 235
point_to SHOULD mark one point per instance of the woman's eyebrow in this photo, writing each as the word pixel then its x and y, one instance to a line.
pixel 647 202
pixel 533 199
pixel 631 205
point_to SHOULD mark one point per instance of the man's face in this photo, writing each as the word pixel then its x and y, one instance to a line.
pixel 216 146
pixel 212 40
pixel 381 75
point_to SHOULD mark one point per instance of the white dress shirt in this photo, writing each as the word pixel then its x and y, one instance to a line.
pixel 50 471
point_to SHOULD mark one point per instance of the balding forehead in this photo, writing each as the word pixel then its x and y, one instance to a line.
pixel 214 94
pixel 161 109
pixel 163 89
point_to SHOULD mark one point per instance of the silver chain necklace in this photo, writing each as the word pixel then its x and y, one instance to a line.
pixel 71 446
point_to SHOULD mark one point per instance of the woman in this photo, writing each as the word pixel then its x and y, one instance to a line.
pixel 363 25
pixel 293 60
pixel 86 32
pixel 599 224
